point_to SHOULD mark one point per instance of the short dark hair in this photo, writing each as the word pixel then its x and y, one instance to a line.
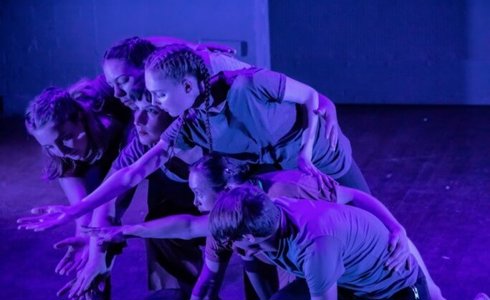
pixel 243 210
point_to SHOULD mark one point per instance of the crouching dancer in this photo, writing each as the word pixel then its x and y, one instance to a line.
pixel 336 251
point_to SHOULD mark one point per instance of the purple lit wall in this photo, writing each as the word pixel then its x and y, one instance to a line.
pixel 53 42
pixel 402 52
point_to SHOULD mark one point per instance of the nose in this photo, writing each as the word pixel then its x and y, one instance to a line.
pixel 140 118
pixel 157 103
pixel 118 92
pixel 196 202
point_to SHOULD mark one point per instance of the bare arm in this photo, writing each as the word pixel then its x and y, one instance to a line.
pixel 115 185
pixel 301 93
pixel 371 204
pixel 124 179
pixel 171 227
pixel 398 241
pixel 75 190
pixel 209 282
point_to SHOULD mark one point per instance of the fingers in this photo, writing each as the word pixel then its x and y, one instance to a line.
pixel 76 288
pixel 396 264
pixel 73 241
pixel 32 219
pixel 82 262
pixel 64 290
pixel 49 209
pixel 398 258
pixel 82 283
pixel 392 243
pixel 64 263
pixel 41 226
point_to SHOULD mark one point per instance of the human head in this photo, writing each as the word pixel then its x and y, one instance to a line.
pixel 149 121
pixel 211 175
pixel 124 68
pixel 65 130
pixel 91 94
pixel 177 79
pixel 244 216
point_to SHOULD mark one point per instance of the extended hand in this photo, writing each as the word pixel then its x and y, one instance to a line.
pixel 91 279
pixel 76 254
pixel 46 217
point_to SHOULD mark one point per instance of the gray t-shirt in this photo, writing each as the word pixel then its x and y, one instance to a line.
pixel 287 183
pixel 249 121
pixel 327 243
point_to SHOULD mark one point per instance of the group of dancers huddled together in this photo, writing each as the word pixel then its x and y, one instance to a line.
pixel 238 159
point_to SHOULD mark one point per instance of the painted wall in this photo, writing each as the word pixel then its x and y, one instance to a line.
pixel 52 42
pixel 382 51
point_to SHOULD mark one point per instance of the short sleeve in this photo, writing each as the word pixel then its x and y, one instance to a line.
pixel 323 264
pixel 263 84
pixel 130 154
pixel 217 252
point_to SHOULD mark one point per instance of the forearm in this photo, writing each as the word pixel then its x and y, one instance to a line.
pixel 309 135
pixel 178 226
pixel 82 222
pixel 102 216
pixel 75 189
pixel 118 183
pixel 374 206
pixel 209 282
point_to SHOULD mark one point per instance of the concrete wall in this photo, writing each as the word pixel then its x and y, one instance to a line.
pixel 384 51
pixel 53 42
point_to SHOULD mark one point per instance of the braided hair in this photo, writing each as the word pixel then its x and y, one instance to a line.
pixel 177 61
pixel 221 171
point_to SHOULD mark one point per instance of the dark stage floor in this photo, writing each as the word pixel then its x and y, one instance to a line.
pixel 429 165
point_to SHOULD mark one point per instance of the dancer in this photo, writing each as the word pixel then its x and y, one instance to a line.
pixel 325 245
pixel 80 130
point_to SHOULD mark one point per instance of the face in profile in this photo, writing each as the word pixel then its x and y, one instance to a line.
pixel 127 81
pixel 204 195
pixel 67 140
pixel 172 96
pixel 150 121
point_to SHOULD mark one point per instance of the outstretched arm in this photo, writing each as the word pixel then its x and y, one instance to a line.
pixel 209 282
pixel 171 227
pixel 118 183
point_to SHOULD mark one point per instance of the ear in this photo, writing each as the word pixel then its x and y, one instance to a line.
pixel 250 238
pixel 187 85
